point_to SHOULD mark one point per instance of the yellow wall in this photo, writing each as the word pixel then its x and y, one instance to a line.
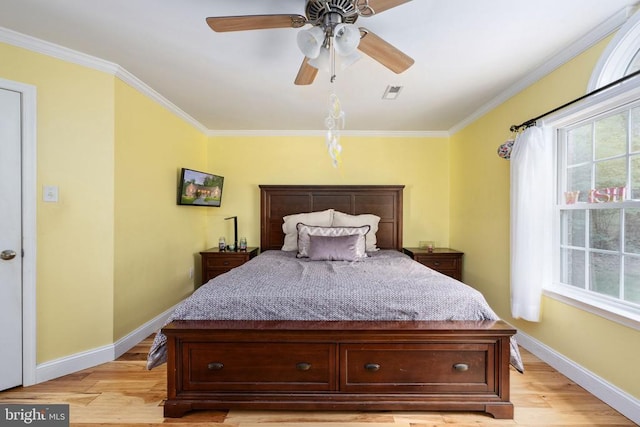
pixel 75 236
pixel 480 228
pixel 156 241
pixel 116 250
pixel 421 164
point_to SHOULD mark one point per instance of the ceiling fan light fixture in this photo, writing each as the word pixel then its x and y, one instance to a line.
pixel 346 39
pixel 347 61
pixel 310 41
pixel 322 61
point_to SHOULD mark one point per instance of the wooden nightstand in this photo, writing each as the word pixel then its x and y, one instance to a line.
pixel 215 262
pixel 446 261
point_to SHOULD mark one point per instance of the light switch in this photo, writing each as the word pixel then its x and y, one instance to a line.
pixel 50 193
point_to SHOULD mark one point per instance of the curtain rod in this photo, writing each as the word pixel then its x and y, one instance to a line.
pixel 533 121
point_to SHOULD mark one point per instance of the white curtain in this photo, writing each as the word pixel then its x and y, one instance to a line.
pixel 532 195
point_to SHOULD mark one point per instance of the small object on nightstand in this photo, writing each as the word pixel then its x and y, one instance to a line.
pixel 222 243
pixel 232 247
pixel 242 244
pixel 446 261
pixel 427 244
pixel 216 262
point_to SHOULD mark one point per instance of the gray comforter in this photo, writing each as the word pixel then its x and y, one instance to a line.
pixel 276 285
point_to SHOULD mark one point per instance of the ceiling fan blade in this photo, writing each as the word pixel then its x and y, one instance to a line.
pixel 255 22
pixel 380 6
pixel 306 73
pixel 384 53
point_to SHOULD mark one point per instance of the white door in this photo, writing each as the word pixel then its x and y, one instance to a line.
pixel 10 240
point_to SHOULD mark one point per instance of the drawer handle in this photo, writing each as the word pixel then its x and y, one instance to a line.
pixel 225 263
pixel 303 366
pixel 215 366
pixel 437 263
pixel 372 367
pixel 461 367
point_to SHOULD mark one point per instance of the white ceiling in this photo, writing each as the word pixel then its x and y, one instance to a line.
pixel 467 53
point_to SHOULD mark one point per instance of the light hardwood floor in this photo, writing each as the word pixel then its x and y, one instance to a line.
pixel 123 392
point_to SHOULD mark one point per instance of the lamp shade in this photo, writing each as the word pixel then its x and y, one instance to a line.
pixel 347 39
pixel 347 61
pixel 322 61
pixel 310 41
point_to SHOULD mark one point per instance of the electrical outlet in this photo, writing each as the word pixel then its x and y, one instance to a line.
pixel 191 273
pixel 50 193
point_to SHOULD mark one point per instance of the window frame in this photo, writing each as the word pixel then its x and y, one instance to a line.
pixel 618 55
pixel 624 94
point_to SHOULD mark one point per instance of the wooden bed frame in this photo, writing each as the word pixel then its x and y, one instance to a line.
pixel 355 365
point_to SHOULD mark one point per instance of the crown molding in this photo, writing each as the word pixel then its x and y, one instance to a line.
pixel 588 40
pixel 147 90
pixel 51 49
pixel 323 132
pixel 33 44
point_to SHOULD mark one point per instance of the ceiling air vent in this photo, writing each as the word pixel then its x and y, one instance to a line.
pixel 392 92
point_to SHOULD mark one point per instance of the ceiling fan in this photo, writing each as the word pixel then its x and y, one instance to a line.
pixel 333 30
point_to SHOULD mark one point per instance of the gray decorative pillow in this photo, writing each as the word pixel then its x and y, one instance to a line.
pixel 334 248
pixel 305 231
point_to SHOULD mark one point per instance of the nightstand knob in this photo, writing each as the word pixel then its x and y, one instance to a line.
pixel 437 263
pixel 215 366
pixel 372 367
pixel 461 367
pixel 303 366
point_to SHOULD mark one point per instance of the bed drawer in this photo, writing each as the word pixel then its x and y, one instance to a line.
pixel 259 366
pixel 419 368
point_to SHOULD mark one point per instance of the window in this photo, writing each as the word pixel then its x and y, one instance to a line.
pixel 598 204
pixel 596 258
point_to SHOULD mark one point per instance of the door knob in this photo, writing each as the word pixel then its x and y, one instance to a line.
pixel 7 254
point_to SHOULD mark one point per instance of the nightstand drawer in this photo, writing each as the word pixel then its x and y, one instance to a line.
pixel 215 262
pixel 440 263
pixel 444 260
pixel 225 261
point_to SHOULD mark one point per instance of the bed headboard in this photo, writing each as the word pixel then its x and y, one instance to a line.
pixel 277 201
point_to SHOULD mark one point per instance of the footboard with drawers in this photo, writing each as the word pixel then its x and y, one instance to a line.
pixel 338 365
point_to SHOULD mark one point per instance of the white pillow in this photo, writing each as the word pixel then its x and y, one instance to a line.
pixel 321 218
pixel 341 219
pixel 305 231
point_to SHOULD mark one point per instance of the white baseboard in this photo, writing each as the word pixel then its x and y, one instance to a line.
pixel 90 358
pixel 621 401
pixel 130 340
